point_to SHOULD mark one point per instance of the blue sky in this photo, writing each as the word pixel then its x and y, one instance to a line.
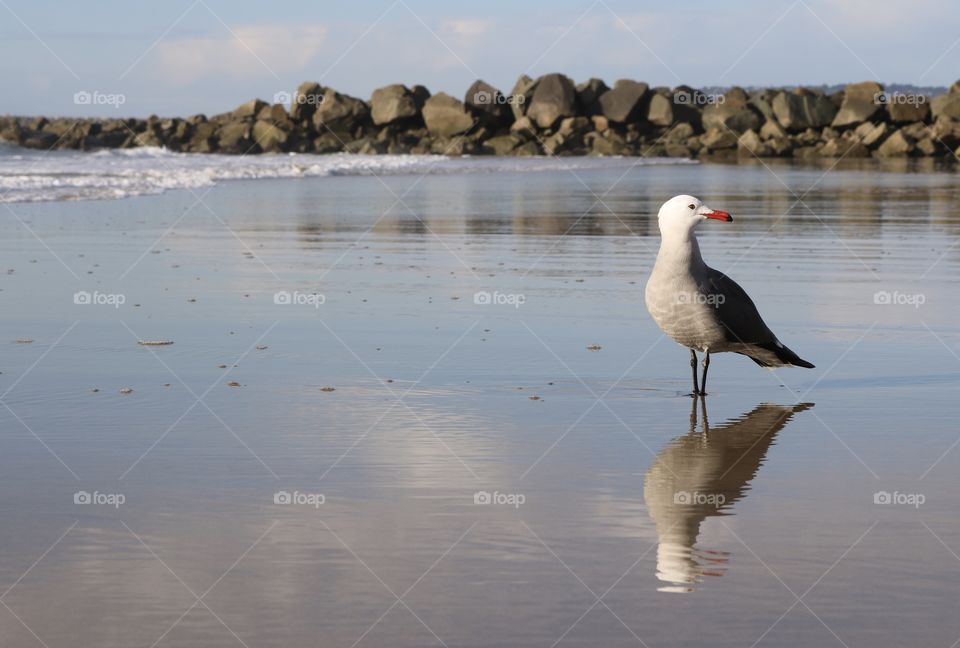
pixel 180 57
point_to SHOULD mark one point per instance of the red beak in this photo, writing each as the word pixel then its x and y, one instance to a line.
pixel 720 216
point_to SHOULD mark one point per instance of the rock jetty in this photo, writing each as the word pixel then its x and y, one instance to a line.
pixel 549 115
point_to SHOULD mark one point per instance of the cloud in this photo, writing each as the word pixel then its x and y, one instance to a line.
pixel 246 51
pixel 466 27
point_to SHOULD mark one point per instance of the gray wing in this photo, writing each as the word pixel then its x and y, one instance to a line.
pixel 736 311
pixel 742 323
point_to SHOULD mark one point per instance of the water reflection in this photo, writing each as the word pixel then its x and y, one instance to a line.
pixel 702 474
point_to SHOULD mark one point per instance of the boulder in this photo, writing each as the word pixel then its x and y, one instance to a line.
pixel 588 96
pixel 908 108
pixel 249 109
pixel 420 95
pixel 524 126
pixel 750 144
pixel 625 102
pixel 232 137
pixel 897 145
pixel 733 112
pixel 554 98
pixel 668 108
pixel 522 95
pixel 609 144
pixel 679 133
pixel 488 102
pixel 327 142
pixel 305 101
pixel 772 129
pixel 527 150
pixel 947 105
pixel 392 103
pixel 796 112
pixel 341 114
pixel 861 102
pixel 502 144
pixel 947 131
pixel 268 136
pixel 871 135
pixel 717 139
pixel 845 148
pixel 761 101
pixel 446 116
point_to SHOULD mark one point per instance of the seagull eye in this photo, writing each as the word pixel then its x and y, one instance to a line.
pixel 691 206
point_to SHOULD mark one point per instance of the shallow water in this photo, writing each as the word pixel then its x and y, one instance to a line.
pixel 619 515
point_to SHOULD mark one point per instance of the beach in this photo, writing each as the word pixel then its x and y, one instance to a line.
pixel 408 400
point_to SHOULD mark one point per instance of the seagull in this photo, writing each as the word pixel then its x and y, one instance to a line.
pixel 702 308
pixel 703 474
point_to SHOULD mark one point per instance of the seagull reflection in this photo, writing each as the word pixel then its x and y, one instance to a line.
pixel 702 474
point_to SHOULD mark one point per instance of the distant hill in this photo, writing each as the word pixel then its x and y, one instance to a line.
pixel 902 88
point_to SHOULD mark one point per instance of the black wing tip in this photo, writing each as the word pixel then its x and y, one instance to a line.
pixel 800 362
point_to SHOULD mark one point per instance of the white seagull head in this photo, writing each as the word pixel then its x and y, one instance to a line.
pixel 681 214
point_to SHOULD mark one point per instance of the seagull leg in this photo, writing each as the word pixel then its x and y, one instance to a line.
pixel 706 365
pixel 693 366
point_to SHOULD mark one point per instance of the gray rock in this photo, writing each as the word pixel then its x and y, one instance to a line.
pixel 860 103
pixel 947 105
pixel 269 137
pixel 341 114
pixel 588 96
pixel 772 129
pixel 871 135
pixel 554 98
pixel 609 144
pixel 233 137
pixel 249 109
pixel 305 101
pixel 420 95
pixel 625 102
pixel 733 113
pixel 717 139
pixel 668 108
pixel 797 112
pixel 392 103
pixel 522 95
pixel 903 111
pixel 897 145
pixel 503 144
pixel 446 116
pixel 488 103
pixel 524 126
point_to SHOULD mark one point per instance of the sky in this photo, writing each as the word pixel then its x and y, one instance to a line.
pixel 181 57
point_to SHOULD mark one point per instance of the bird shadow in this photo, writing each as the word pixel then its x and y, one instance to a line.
pixel 702 474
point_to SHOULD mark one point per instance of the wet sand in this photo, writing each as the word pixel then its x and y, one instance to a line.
pixel 311 455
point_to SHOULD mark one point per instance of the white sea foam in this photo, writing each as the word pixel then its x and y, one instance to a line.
pixel 30 176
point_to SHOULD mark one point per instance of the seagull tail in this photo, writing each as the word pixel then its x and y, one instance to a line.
pixel 784 355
